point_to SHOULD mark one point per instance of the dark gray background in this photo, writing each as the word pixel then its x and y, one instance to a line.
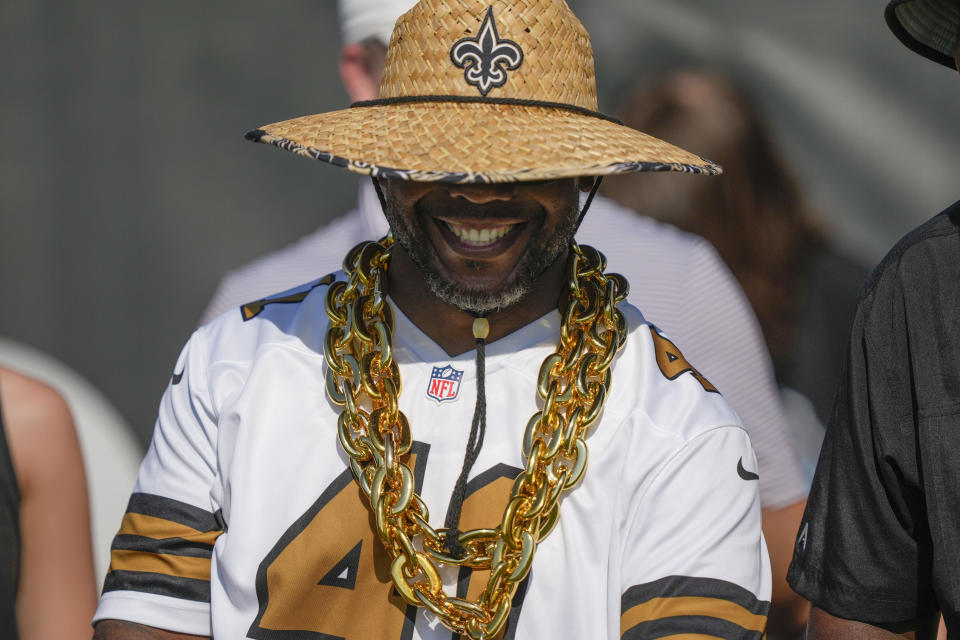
pixel 127 190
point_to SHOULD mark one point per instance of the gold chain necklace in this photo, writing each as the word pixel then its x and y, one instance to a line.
pixel 363 378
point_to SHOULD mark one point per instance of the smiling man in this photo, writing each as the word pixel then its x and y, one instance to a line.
pixel 399 450
pixel 677 279
pixel 480 249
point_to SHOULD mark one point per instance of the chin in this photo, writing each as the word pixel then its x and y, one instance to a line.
pixel 474 300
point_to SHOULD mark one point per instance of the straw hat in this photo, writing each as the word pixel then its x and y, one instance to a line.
pixel 482 91
pixel 929 27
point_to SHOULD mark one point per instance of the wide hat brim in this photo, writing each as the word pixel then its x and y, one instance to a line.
pixel 928 27
pixel 476 142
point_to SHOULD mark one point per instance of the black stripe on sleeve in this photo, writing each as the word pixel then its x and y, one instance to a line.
pixel 678 625
pixel 158 583
pixel 171 546
pixel 679 586
pixel 169 509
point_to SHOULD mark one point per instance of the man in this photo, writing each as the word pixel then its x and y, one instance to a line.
pixel 676 279
pixel 265 510
pixel 877 552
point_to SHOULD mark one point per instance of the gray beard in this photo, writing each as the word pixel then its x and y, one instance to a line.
pixel 473 302
pixel 533 263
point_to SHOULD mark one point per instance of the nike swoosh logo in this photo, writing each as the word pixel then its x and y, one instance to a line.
pixel 176 378
pixel 743 473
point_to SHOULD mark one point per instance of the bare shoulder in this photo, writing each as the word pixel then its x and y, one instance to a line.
pixel 120 630
pixel 30 404
pixel 38 423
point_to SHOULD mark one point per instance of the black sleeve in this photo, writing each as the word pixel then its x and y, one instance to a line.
pixel 862 550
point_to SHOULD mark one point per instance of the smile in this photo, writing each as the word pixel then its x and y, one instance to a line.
pixel 481 237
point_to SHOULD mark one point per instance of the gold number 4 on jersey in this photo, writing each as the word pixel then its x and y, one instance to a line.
pixel 329 575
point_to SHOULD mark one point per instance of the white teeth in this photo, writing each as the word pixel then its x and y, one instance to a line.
pixel 479 237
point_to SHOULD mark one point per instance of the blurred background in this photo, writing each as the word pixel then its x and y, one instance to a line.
pixel 127 190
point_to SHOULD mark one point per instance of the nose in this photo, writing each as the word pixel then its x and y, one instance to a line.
pixel 483 193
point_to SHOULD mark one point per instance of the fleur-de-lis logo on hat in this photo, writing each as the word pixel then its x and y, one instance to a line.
pixel 486 58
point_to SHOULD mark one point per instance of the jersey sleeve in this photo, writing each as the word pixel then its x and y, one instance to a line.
pixel 695 563
pixel 720 335
pixel 860 552
pixel 160 558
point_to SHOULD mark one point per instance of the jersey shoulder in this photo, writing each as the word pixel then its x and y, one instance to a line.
pixel 658 384
pixel 295 317
pixel 293 297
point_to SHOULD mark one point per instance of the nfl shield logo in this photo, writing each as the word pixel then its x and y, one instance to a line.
pixel 444 383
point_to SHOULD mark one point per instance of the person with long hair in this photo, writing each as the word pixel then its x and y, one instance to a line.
pixel 800 286
pixel 801 289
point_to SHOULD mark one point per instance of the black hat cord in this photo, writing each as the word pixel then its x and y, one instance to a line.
pixel 478 428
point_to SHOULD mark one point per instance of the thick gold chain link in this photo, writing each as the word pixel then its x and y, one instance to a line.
pixel 363 378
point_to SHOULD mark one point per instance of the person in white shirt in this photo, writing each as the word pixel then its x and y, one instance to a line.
pixel 312 472
pixel 677 279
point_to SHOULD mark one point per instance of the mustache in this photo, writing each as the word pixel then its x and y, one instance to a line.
pixel 458 208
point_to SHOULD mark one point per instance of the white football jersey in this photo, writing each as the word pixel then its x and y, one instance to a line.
pixel 246 521
pixel 677 280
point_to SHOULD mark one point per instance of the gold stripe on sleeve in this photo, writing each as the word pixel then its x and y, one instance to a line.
pixel 166 564
pixel 136 524
pixel 657 608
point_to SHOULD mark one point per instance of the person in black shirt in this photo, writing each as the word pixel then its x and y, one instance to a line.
pixel 878 549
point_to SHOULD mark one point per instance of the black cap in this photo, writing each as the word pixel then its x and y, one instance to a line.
pixel 929 27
